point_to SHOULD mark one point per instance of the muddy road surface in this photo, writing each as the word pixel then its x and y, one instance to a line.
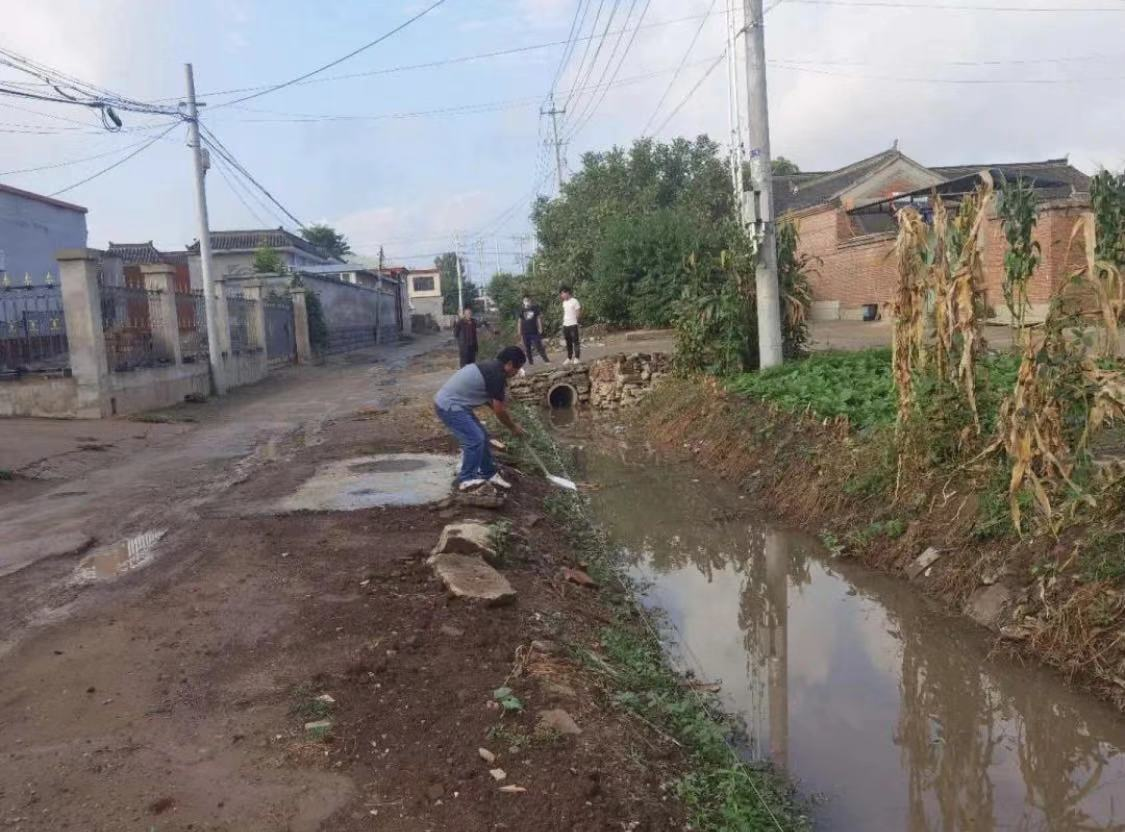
pixel 217 659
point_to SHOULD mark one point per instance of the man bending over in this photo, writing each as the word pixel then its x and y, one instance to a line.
pixel 473 386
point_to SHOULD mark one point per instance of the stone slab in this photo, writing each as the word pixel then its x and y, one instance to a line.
pixel 923 562
pixel 471 578
pixel 987 604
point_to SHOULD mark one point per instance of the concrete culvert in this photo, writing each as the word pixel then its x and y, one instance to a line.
pixel 562 396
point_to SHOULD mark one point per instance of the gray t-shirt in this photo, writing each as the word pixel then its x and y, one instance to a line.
pixel 472 386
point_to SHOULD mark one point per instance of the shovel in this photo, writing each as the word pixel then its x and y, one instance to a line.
pixel 561 482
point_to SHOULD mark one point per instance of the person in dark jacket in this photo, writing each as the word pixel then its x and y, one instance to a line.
pixel 465 331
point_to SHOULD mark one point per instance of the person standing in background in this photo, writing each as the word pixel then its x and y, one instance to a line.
pixel 465 331
pixel 531 330
pixel 572 313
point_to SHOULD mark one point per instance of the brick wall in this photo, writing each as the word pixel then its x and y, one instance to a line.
pixel 860 270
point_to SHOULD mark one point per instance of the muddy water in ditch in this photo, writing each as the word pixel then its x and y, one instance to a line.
pixel 889 713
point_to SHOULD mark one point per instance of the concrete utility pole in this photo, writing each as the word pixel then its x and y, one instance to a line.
pixel 214 346
pixel 497 242
pixel 759 199
pixel 460 290
pixel 554 114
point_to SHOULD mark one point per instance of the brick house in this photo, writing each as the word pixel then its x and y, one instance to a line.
pixel 846 219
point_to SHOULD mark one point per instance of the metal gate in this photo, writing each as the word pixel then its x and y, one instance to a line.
pixel 281 338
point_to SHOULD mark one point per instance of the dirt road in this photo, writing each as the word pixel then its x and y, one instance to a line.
pixel 175 696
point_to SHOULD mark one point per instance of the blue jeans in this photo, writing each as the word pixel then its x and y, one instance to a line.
pixel 476 455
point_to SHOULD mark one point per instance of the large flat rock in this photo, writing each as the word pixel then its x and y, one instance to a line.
pixel 469 577
pixel 366 482
pixel 471 537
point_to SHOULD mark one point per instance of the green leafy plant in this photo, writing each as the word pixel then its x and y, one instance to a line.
pixel 268 260
pixel 507 699
pixel 1017 209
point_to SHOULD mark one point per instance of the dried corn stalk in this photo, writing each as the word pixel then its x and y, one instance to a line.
pixel 908 347
pixel 1103 278
pixel 966 290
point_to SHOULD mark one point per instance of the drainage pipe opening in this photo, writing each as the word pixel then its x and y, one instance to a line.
pixel 562 396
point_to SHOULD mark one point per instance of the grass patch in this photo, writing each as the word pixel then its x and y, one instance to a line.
pixel 6 475
pixel 1103 557
pixel 157 418
pixel 719 791
pixel 308 706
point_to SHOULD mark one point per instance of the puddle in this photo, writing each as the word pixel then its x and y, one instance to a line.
pixel 369 481
pixel 119 559
pixel 890 710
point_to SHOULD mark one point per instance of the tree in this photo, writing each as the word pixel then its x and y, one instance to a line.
pixel 506 291
pixel 781 166
pixel 603 235
pixel 328 240
pixel 268 261
pixel 447 264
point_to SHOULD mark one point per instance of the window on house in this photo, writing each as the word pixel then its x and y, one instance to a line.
pixel 423 284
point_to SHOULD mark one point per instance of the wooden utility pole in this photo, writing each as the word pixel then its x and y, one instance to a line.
pixel 759 197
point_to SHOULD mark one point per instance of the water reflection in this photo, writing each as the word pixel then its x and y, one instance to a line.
pixel 890 709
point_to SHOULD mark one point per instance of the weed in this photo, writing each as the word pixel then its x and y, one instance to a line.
pixel 157 418
pixel 308 706
pixel 507 699
pixel 6 474
pixel 500 536
pixel 832 543
pixel 1103 557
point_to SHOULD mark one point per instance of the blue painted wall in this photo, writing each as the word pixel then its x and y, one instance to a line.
pixel 31 232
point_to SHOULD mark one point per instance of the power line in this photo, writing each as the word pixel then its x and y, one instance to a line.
pixel 221 165
pixel 605 91
pixel 570 43
pixel 598 51
pixel 447 61
pixel 119 162
pixel 679 69
pixel 338 61
pixel 113 152
pixel 690 93
pixel 586 50
pixel 609 61
pixel 908 79
pixel 213 142
pixel 893 4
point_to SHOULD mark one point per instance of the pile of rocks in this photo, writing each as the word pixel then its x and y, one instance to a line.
pixel 624 380
pixel 533 388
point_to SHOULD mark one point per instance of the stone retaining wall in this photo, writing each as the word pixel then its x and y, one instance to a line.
pixel 605 384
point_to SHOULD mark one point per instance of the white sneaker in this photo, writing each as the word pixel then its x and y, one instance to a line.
pixel 500 482
pixel 469 485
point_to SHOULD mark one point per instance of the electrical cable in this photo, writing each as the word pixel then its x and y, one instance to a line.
pixel 336 62
pixel 683 60
pixel 221 165
pixel 605 91
pixel 575 117
pixel 907 79
pixel 893 4
pixel 586 50
pixel 570 44
pixel 113 152
pixel 580 81
pixel 214 143
pixel 119 162
pixel 691 92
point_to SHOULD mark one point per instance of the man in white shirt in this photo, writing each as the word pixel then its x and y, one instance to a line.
pixel 572 312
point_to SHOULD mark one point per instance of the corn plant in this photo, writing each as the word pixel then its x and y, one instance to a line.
pixel 1017 210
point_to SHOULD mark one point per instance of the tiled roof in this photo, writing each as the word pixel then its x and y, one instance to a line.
pixel 1051 172
pixel 797 192
pixel 132 254
pixel 254 239
pixel 804 190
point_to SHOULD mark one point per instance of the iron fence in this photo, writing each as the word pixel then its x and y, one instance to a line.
pixel 281 340
pixel 131 317
pixel 191 315
pixel 32 330
pixel 243 324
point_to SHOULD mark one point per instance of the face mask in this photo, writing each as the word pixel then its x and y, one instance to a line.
pixel 527 303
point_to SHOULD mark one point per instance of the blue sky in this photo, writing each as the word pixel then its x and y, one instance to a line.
pixel 845 83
